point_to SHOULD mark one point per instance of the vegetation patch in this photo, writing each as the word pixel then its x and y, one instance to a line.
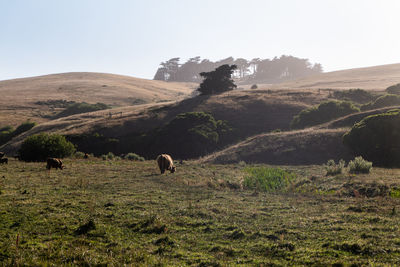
pixel 268 179
pixel 377 138
pixel 324 112
pixel 39 147
pixel 354 95
pixel 359 165
pixel 8 132
pixel 189 135
pixel 133 156
pixel 382 101
pixel 394 89
pixel 77 108
pixel 333 169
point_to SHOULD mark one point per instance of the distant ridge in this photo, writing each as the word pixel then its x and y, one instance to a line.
pixel 369 78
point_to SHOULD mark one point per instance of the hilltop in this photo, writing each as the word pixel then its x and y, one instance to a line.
pixel 20 96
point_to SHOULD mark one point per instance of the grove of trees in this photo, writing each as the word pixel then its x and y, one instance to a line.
pixel 256 70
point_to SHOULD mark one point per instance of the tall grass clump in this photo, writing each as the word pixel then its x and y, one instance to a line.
pixel 267 179
pixel 359 165
pixel 134 156
pixel 333 169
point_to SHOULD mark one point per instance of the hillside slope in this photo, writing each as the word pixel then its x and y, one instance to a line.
pixel 369 78
pixel 18 96
pixel 247 112
pixel 315 145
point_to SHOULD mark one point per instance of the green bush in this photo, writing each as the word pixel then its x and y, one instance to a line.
pixel 133 156
pixel 189 134
pixel 267 179
pixel 333 169
pixel 394 89
pixel 79 155
pixel 324 112
pixel 39 147
pixel 77 108
pixel 377 138
pixel 382 101
pixel 355 95
pixel 8 132
pixel 359 165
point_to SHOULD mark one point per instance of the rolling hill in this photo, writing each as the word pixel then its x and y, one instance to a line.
pixel 20 96
pixel 369 78
pixel 260 117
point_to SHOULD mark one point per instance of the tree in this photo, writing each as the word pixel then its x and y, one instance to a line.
pixel 377 138
pixel 217 81
pixel 39 147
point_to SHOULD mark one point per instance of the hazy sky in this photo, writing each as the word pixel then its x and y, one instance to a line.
pixel 132 37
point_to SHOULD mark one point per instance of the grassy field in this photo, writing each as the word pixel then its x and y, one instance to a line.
pixel 97 212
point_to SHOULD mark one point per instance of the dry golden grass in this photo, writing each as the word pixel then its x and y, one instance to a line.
pixel 369 78
pixel 19 95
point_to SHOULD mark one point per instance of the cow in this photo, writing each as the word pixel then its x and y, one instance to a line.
pixel 54 163
pixel 1 154
pixel 165 162
pixel 3 160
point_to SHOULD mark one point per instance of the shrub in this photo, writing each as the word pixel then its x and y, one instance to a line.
pixel 189 134
pixel 8 132
pixel 77 108
pixel 39 147
pixel 359 165
pixel 356 95
pixel 254 86
pixel 324 112
pixel 267 179
pixel 332 168
pixel 394 89
pixel 134 156
pixel 382 101
pixel 377 138
pixel 79 155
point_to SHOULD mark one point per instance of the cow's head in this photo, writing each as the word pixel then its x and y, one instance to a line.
pixel 173 169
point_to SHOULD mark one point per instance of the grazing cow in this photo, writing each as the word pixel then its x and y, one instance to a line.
pixel 1 154
pixel 3 160
pixel 54 163
pixel 86 156
pixel 165 162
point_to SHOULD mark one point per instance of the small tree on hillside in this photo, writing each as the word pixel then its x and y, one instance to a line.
pixel 217 81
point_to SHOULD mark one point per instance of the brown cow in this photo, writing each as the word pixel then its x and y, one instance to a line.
pixel 165 162
pixel 3 160
pixel 54 163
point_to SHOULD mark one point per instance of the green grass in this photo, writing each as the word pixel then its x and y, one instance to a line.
pixel 268 179
pixel 124 212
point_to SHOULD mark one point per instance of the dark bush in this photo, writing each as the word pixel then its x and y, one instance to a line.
pixel 355 95
pixel 77 108
pixel 189 134
pixel 394 89
pixel 39 147
pixel 254 86
pixel 377 138
pixel 134 156
pixel 382 101
pixel 8 132
pixel 324 112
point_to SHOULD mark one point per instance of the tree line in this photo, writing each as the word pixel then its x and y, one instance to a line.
pixel 257 70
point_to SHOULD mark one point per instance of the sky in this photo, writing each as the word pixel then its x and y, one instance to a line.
pixel 132 37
